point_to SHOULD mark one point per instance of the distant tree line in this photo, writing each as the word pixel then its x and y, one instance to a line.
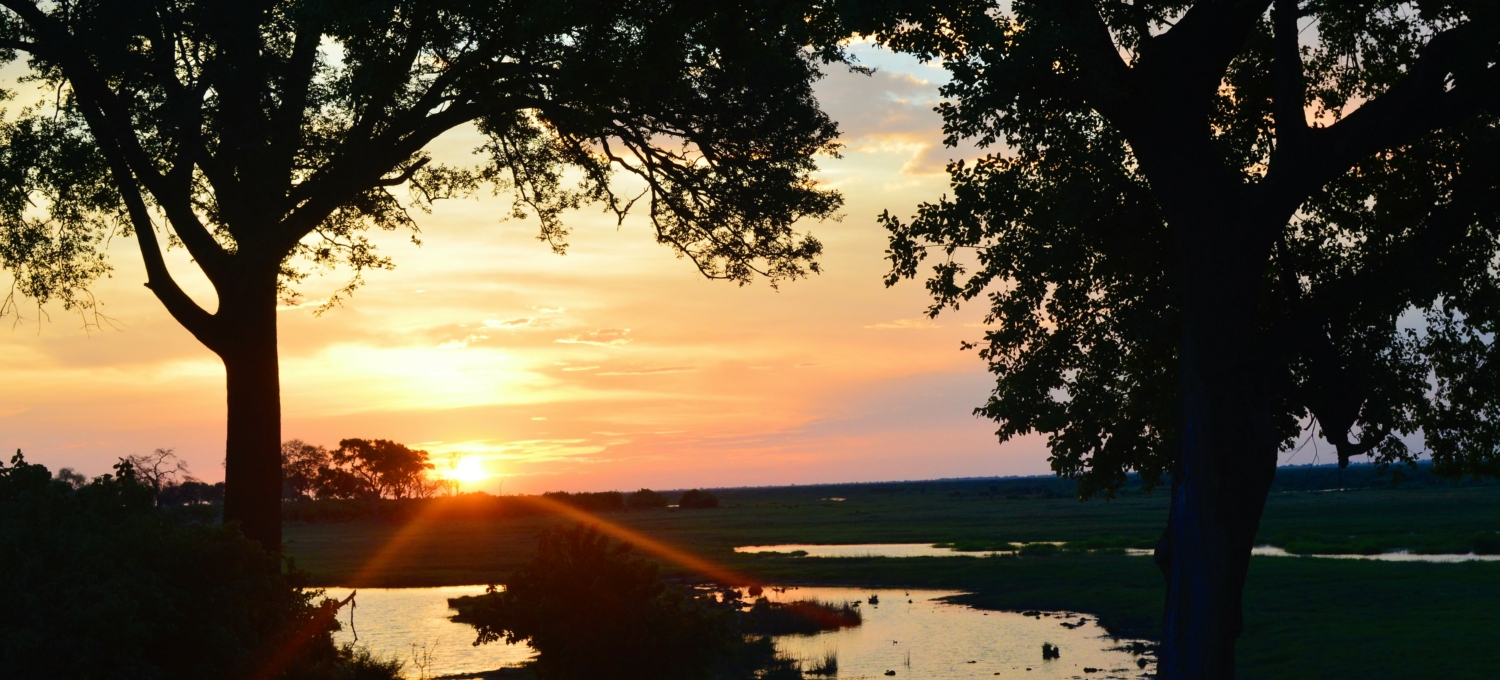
pixel 645 499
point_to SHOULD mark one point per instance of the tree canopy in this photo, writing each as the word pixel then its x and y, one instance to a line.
pixel 1379 304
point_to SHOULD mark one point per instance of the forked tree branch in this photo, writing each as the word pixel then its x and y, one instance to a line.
pixel 1191 58
pixel 1426 99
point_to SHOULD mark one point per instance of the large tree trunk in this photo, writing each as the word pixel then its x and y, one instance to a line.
pixel 1227 447
pixel 252 450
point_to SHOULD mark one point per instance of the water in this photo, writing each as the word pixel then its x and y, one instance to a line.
pixel 1401 556
pixel 390 620
pixel 933 640
pixel 939 638
pixel 862 550
pixel 927 550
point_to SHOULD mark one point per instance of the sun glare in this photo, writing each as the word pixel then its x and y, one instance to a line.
pixel 470 469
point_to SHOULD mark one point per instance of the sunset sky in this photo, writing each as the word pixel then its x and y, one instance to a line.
pixel 616 366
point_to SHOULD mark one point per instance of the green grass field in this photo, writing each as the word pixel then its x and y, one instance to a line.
pixel 1305 617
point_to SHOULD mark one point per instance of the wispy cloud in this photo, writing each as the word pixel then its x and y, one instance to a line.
pixel 900 324
pixel 603 337
pixel 653 371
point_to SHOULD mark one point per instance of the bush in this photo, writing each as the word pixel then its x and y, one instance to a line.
pixel 697 499
pixel 96 583
pixel 646 499
pixel 803 617
pixel 591 610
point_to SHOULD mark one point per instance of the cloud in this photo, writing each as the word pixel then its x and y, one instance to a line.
pixel 581 368
pixel 892 111
pixel 603 337
pixel 653 371
pixel 511 323
pixel 905 324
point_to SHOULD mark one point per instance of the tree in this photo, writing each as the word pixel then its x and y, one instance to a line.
pixel 266 139
pixel 1210 223
pixel 158 469
pixel 697 499
pixel 646 499
pixel 384 468
pixel 300 463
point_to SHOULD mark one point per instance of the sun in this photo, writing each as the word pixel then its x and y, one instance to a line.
pixel 469 469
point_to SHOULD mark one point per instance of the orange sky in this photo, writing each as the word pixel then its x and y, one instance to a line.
pixel 613 367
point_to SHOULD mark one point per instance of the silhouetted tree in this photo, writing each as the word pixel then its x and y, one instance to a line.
pixel 266 138
pixel 698 499
pixel 385 468
pixel 300 463
pixel 158 469
pixel 1213 221
pixel 70 477
pixel 646 499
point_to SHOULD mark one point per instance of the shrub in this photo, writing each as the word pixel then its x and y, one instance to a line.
pixel 803 617
pixel 697 499
pixel 591 609
pixel 96 583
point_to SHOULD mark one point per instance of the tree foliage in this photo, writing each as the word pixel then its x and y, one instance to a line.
pixel 358 468
pixel 1379 306
pixel 273 134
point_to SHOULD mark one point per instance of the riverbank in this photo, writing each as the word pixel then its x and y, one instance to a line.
pixel 1304 618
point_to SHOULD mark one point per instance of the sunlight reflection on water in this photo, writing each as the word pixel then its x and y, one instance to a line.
pixel 929 639
pixel 940 638
pixel 390 620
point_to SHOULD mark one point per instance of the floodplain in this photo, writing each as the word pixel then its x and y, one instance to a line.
pixel 1304 617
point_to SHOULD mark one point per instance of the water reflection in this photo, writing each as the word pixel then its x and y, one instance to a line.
pixel 910 632
pixel 915 634
pixel 862 550
pixel 392 620
pixel 929 550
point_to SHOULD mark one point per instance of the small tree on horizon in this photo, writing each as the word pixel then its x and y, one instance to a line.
pixel 266 139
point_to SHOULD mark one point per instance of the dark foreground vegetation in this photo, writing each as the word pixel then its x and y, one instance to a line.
pixel 591 609
pixel 1304 617
pixel 96 582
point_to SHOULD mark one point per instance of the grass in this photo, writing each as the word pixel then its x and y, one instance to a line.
pixel 1304 617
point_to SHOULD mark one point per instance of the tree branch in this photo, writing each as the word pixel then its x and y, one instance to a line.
pixel 404 177
pixel 286 125
pixel 1290 86
pixel 1107 79
pixel 1419 103
pixel 158 278
pixel 1192 56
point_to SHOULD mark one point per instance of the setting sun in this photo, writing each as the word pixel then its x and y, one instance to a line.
pixel 469 469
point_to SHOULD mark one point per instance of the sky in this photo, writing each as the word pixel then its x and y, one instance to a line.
pixel 615 366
